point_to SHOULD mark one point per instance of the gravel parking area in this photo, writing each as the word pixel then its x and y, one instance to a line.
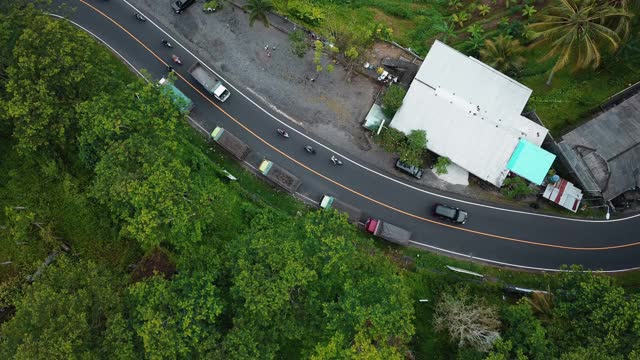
pixel 327 106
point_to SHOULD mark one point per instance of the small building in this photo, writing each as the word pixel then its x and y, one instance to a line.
pixel 604 153
pixel 375 119
pixel 564 194
pixel 472 115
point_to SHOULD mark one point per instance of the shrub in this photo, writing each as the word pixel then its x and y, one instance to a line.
pixel 410 148
pixel 441 165
pixel 414 151
pixel 298 43
pixel 305 12
pixel 391 140
pixel 212 4
pixel 392 100
pixel 516 188
pixel 460 18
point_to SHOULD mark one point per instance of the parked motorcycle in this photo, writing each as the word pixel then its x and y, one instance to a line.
pixel 139 17
pixel 167 44
pixel 335 160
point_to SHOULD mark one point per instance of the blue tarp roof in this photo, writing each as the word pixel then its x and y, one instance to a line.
pixel 530 161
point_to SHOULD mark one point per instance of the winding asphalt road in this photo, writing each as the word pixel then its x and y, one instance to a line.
pixel 495 235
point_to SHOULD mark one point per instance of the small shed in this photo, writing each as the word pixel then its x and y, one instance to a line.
pixel 530 161
pixel 564 194
pixel 375 119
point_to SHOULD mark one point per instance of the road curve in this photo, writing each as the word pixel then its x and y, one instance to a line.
pixel 500 236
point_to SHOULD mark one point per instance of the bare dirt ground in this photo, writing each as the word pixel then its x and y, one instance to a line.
pixel 327 106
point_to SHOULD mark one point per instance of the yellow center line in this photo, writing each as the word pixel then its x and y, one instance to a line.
pixel 528 242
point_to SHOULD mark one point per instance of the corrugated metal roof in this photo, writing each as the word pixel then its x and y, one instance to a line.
pixel 564 194
pixel 470 111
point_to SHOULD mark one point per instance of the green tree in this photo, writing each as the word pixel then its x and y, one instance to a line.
pixel 504 54
pixel 177 319
pixel 108 120
pixel 577 32
pixel 315 275
pixel 474 44
pixel 502 350
pixel 259 10
pixel 157 187
pixel 413 153
pixel 445 30
pixel 392 100
pixel 460 18
pixel 47 81
pixel 74 310
pixel 24 241
pixel 484 9
pixel 475 30
pixel 529 11
pixel 591 312
pixel 516 188
pixel 455 4
pixel 525 332
pixel 441 165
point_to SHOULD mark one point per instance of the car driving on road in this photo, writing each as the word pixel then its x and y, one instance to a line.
pixel 450 213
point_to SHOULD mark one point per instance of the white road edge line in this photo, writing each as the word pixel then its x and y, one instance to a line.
pixel 362 166
pixel 471 257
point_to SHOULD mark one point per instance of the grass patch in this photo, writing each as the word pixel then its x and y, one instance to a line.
pixel 572 97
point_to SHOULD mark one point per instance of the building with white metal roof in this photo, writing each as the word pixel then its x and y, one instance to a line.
pixel 470 111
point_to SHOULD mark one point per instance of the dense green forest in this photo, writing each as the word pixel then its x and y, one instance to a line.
pixel 120 239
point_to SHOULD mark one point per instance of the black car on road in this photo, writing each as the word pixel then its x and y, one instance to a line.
pixel 450 213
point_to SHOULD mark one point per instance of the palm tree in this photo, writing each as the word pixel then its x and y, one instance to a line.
pixel 484 9
pixel 529 11
pixel 460 18
pixel 445 30
pixel 475 30
pixel 577 31
pixel 503 54
pixel 259 10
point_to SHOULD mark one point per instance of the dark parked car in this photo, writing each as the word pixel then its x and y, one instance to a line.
pixel 450 213
pixel 180 6
pixel 411 170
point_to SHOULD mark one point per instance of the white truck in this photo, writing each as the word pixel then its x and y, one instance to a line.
pixel 329 202
pixel 209 81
